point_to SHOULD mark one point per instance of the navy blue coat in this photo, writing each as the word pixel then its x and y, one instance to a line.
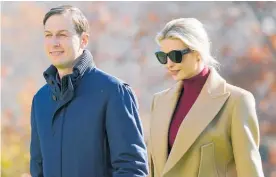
pixel 87 127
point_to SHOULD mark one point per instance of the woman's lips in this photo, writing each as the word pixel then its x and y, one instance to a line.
pixel 173 72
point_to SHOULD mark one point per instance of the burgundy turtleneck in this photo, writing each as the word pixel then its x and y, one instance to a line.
pixel 191 89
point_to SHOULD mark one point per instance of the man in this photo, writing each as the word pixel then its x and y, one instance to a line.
pixel 85 123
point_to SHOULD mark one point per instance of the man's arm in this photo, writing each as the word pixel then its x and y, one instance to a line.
pixel 125 135
pixel 245 138
pixel 36 157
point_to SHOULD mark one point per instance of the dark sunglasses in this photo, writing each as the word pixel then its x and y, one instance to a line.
pixel 174 55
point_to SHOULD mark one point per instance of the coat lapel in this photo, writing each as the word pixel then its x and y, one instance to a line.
pixel 210 100
pixel 161 121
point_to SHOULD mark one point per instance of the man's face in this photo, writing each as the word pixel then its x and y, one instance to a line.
pixel 62 43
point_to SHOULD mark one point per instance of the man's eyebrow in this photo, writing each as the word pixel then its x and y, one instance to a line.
pixel 60 31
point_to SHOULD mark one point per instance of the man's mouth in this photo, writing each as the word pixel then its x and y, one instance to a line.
pixel 56 53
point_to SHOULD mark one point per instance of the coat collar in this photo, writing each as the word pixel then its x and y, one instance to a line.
pixel 210 100
pixel 82 64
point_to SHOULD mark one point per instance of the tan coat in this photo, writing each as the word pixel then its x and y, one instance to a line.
pixel 219 137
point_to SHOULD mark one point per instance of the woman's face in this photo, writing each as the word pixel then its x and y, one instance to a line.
pixel 190 65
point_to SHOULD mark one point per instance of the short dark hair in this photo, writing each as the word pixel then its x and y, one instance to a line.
pixel 80 21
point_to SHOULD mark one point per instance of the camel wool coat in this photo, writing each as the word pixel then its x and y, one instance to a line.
pixel 219 136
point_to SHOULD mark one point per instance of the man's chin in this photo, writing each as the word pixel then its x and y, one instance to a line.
pixel 62 65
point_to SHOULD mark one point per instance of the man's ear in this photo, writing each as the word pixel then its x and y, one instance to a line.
pixel 84 39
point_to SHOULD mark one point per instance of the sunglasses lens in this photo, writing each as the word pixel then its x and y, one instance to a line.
pixel 175 56
pixel 162 57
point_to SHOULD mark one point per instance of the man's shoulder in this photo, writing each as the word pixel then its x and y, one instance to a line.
pixel 41 94
pixel 42 91
pixel 114 85
pixel 108 79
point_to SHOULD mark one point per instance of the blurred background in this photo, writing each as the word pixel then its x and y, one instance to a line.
pixel 243 36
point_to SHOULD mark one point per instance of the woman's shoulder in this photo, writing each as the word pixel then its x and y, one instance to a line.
pixel 165 93
pixel 237 91
pixel 169 91
pixel 162 92
pixel 239 94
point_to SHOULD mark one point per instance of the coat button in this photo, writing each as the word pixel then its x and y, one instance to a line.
pixel 54 97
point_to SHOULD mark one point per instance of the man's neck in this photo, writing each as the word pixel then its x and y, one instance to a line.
pixel 63 72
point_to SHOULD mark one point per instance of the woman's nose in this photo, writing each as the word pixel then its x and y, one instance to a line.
pixel 170 63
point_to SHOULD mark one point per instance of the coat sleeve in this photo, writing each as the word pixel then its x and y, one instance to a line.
pixel 246 137
pixel 125 135
pixel 35 152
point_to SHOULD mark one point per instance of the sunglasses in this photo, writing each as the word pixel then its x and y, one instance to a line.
pixel 174 55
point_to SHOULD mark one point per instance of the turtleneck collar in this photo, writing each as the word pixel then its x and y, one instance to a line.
pixel 199 78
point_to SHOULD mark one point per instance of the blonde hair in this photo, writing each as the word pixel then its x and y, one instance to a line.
pixel 192 33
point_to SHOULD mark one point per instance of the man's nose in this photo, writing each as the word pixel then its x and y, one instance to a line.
pixel 55 42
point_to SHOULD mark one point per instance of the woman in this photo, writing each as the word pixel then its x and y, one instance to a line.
pixel 202 126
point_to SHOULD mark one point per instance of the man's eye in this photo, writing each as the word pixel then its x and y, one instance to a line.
pixel 48 35
pixel 63 35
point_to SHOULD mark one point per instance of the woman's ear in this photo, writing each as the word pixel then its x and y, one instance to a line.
pixel 197 55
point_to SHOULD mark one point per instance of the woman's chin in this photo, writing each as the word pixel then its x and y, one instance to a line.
pixel 175 77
